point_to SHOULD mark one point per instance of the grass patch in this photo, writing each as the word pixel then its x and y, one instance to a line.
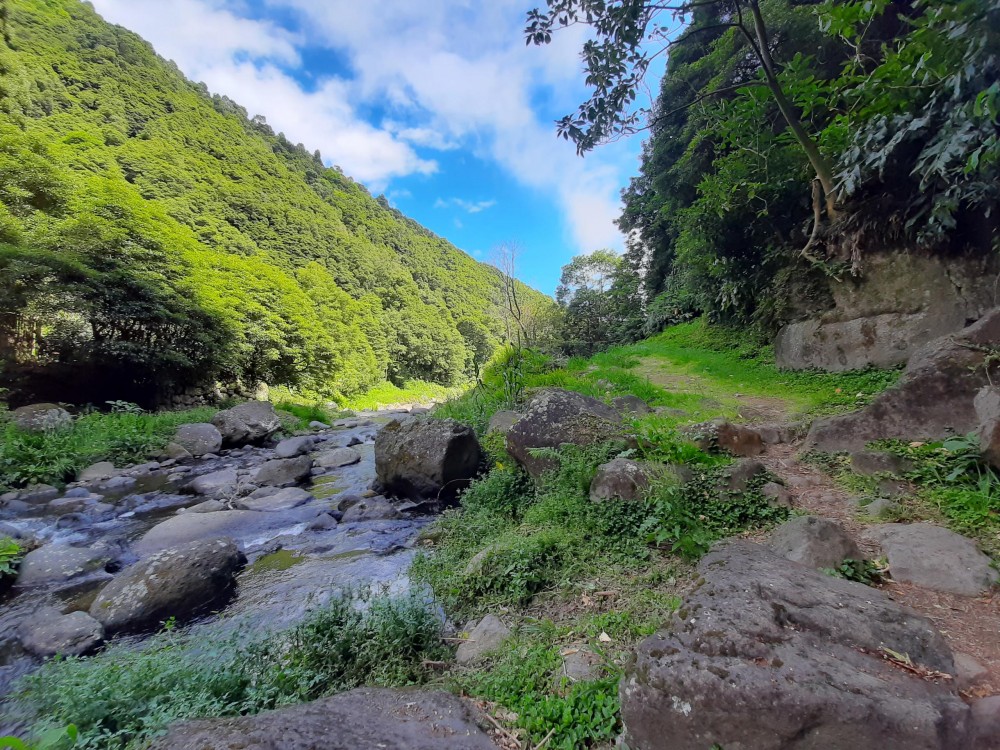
pixel 55 456
pixel 413 391
pixel 122 697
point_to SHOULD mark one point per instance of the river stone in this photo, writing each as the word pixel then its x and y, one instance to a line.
pixel 426 458
pixel 503 420
pixel 179 582
pixel 97 472
pixel 375 508
pixel 243 525
pixel 176 451
pixel 934 399
pixel 553 417
pixel 485 637
pixel 198 438
pixel 58 563
pixel 772 656
pixel 283 472
pixel 251 422
pixel 214 483
pixel 814 542
pixel 317 425
pixel 356 720
pixel 271 500
pixel 294 446
pixel 41 417
pixel 934 558
pixel 50 632
pixel 37 494
pixel 620 479
pixel 334 459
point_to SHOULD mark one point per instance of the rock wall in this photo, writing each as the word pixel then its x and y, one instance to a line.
pixel 215 393
pixel 902 301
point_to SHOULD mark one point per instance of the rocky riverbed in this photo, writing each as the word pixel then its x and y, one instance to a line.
pixel 300 512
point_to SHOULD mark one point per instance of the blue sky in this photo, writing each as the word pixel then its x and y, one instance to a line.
pixel 438 103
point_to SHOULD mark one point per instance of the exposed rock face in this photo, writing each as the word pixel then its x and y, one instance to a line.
pixel 198 438
pixel 486 636
pixel 178 582
pixel 426 458
pixel 933 399
pixel 554 417
pixel 51 632
pixel 902 302
pixel 935 558
pixel 355 720
pixel 772 656
pixel 41 417
pixel 814 542
pixel 283 472
pixel 620 479
pixel 252 422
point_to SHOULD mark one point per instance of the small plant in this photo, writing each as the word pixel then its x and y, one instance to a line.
pixel 10 556
pixel 54 738
pixel 868 572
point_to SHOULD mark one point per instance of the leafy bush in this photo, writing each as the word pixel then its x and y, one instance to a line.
pixel 868 572
pixel 10 556
pixel 122 697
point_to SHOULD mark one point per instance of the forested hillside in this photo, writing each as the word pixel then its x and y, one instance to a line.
pixel 154 236
pixel 789 141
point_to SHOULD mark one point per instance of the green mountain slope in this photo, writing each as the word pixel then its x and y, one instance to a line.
pixel 153 236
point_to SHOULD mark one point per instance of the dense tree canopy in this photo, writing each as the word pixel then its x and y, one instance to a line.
pixel 899 97
pixel 157 236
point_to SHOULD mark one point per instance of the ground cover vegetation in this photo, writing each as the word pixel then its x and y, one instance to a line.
pixel 153 235
pixel 788 140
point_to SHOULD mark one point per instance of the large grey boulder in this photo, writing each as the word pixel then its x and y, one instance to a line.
pixel 198 438
pixel 219 482
pixel 41 417
pixel 283 472
pixel 621 479
pixel 814 542
pixel 555 417
pixel 934 558
pixel 50 632
pixel 770 656
pixel 178 582
pixel 355 720
pixel 488 634
pixel 419 458
pixel 242 525
pixel 59 563
pixel 250 422
pixel 932 400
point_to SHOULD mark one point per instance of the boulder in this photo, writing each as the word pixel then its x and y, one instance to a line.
pixel 869 463
pixel 242 525
pixel 985 730
pixel 334 459
pixel 271 500
pixel 934 558
pixel 250 422
pixel 631 405
pixel 555 417
pixel 317 425
pixel 581 664
pixel 41 417
pixel 197 439
pixel 620 479
pixel 987 406
pixel 97 472
pixel 355 720
pixel 881 507
pixel 777 495
pixel 735 439
pixel 814 542
pixel 968 671
pixel 50 632
pixel 933 399
pixel 737 476
pixel 485 637
pixel 283 472
pixel 58 563
pixel 215 483
pixel 294 446
pixel 375 508
pixel 176 451
pixel 180 582
pixel 503 420
pixel 426 458
pixel 772 656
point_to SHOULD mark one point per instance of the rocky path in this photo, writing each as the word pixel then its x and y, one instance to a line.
pixel 970 624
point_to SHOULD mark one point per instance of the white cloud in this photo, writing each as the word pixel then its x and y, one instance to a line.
pixel 472 207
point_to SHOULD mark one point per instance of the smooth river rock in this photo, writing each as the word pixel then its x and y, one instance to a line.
pixel 243 525
pixel 50 632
